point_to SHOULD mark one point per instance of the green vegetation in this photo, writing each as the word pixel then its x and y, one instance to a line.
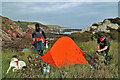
pixel 76 71
pixel 86 36
pixel 6 22
pixel 53 26
pixel 81 37
pixel 24 25
pixel 83 40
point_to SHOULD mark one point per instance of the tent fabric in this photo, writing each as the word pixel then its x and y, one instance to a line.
pixel 64 53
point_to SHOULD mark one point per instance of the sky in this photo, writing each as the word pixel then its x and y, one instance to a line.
pixel 76 15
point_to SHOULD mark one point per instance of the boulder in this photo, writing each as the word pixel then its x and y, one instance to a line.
pixel 107 22
pixel 118 21
pixel 100 23
pixel 95 24
pixel 93 27
pixel 113 26
pixel 102 27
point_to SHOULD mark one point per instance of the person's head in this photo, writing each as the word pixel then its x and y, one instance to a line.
pixel 102 37
pixel 37 27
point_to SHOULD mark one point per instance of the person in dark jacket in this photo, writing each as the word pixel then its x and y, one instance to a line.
pixel 39 39
pixel 103 47
pixel 103 44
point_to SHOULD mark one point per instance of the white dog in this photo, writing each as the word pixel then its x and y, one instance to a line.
pixel 16 64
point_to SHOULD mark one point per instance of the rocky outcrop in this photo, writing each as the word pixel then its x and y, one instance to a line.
pixel 31 26
pixel 113 26
pixel 104 26
pixel 28 33
pixel 11 28
pixel 5 36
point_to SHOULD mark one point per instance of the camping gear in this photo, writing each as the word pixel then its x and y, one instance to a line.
pixel 91 67
pixel 64 53
pixel 45 70
pixel 48 68
pixel 38 40
pixel 46 45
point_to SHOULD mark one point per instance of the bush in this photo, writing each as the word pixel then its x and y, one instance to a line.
pixel 82 37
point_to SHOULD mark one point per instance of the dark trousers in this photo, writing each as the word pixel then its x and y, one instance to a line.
pixel 106 51
pixel 106 54
pixel 40 52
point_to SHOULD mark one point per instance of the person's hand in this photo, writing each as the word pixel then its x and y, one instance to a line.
pixel 33 39
pixel 46 41
pixel 98 50
pixel 32 47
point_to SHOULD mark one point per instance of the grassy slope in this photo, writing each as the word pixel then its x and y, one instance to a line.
pixel 24 25
pixel 76 71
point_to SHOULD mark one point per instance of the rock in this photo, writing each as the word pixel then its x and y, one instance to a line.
pixel 105 25
pixel 60 31
pixel 25 50
pixel 100 23
pixel 113 26
pixel 11 28
pixel 5 36
pixel 95 24
pixel 28 33
pixel 115 21
pixel 31 26
pixel 93 32
pixel 93 27
pixel 101 27
pixel 118 21
pixel 107 22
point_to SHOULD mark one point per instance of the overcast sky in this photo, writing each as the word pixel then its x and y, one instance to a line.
pixel 66 14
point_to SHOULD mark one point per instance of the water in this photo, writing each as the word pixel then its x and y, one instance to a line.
pixel 71 32
pixel 70 28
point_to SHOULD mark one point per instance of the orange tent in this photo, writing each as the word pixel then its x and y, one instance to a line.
pixel 64 53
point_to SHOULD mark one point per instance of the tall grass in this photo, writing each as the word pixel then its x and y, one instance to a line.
pixel 75 71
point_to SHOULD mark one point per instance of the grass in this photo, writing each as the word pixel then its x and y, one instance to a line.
pixel 76 71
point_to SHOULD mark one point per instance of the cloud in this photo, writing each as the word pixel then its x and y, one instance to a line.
pixel 61 1
pixel 29 7
pixel 69 14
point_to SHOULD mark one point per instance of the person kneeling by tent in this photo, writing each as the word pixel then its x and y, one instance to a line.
pixel 103 46
pixel 39 39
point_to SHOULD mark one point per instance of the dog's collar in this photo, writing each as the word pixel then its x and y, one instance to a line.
pixel 16 62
